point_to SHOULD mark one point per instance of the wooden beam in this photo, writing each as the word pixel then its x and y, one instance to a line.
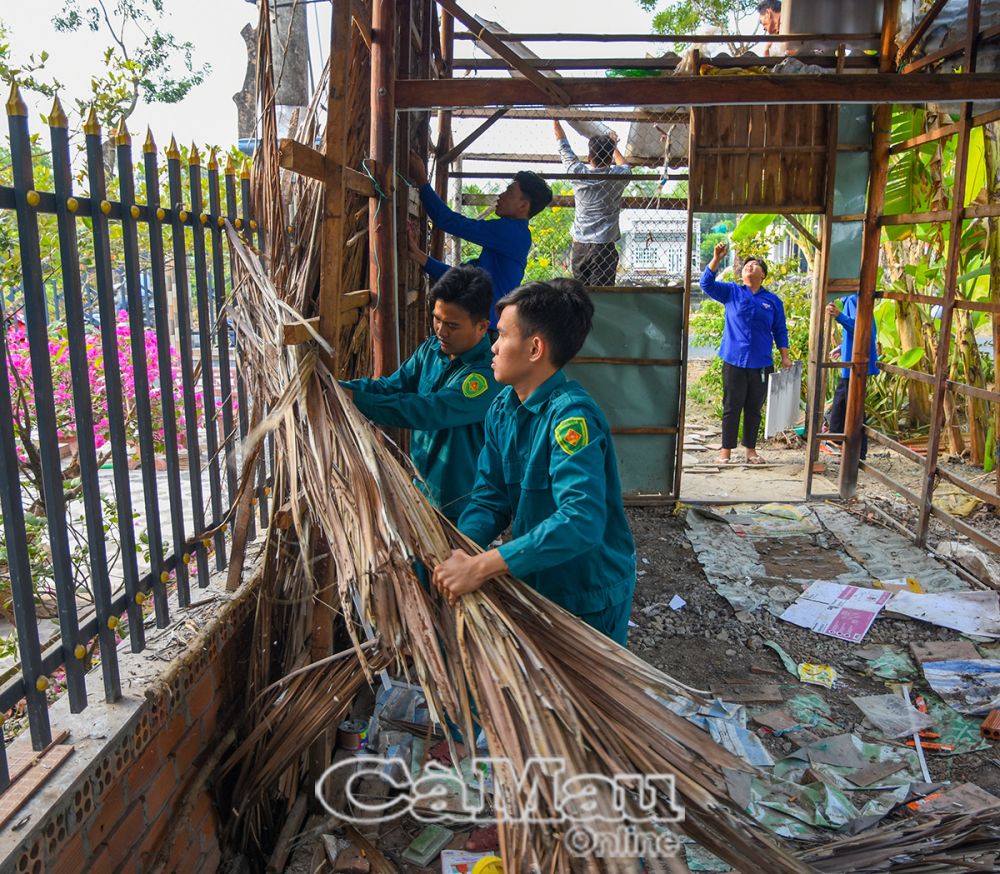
pixel 690 38
pixel 382 219
pixel 457 150
pixel 802 229
pixel 948 51
pixel 301 159
pixel 609 114
pixel 362 15
pixel 671 203
pixel 296 333
pixel 446 40
pixel 870 251
pixel 918 32
pixel 703 90
pixel 667 62
pixel 952 263
pixel 546 86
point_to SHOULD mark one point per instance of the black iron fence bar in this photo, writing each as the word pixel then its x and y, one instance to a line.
pixel 232 214
pixel 36 323
pixel 52 657
pixel 251 226
pixel 85 208
pixel 113 381
pixel 90 488
pixel 205 354
pixel 19 567
pixel 179 242
pixel 168 406
pixel 140 372
pixel 216 229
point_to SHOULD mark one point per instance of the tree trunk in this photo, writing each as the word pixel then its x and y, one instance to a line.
pixel 975 412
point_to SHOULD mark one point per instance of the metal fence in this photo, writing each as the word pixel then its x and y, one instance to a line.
pixel 209 428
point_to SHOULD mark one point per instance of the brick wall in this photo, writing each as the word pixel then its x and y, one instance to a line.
pixel 144 802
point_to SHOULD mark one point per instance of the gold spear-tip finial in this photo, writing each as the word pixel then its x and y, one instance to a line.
pixel 92 127
pixel 213 163
pixel 122 136
pixel 245 172
pixel 15 103
pixel 173 152
pixel 149 147
pixel 230 165
pixel 57 115
pixel 194 158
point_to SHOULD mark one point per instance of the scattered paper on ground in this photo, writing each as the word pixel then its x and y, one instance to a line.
pixel 844 612
pixel 893 715
pixel 969 612
pixel 971 686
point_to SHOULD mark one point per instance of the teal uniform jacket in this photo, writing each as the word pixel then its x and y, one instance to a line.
pixel 549 465
pixel 444 402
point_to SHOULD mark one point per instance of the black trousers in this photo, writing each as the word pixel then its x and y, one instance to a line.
pixel 743 393
pixel 594 263
pixel 838 413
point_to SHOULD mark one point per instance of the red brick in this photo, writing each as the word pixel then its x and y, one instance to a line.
pixel 108 811
pixel 70 858
pixel 184 754
pixel 126 835
pixel 211 862
pixel 140 773
pixel 185 854
pixel 204 694
pixel 163 787
pixel 152 840
pixel 205 821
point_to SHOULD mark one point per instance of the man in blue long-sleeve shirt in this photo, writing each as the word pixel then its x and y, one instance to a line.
pixel 506 240
pixel 548 469
pixel 845 318
pixel 443 390
pixel 755 319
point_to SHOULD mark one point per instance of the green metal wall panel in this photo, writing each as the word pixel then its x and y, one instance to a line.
pixel 641 325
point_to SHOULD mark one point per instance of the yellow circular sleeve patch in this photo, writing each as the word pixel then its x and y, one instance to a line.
pixel 571 434
pixel 474 385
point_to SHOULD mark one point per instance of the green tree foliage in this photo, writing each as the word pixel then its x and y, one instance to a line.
pixel 693 16
pixel 143 59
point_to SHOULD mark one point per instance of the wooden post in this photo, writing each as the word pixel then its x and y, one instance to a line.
pixel 818 332
pixel 444 130
pixel 382 219
pixel 870 247
pixel 950 284
pixel 682 385
pixel 330 293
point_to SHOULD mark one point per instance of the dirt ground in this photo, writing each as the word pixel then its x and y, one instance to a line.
pixel 705 645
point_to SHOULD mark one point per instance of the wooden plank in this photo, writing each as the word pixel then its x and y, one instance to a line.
pixel 353 300
pixel 870 250
pixel 296 333
pixel 693 39
pixel 32 780
pixel 664 62
pixel 296 156
pixel 757 126
pixel 546 86
pixel 381 217
pixel 702 90
pixel 670 203
pixel 457 150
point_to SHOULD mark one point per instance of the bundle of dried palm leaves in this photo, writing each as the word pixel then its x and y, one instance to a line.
pixel 545 684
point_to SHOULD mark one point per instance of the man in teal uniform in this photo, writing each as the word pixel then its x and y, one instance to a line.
pixel 549 469
pixel 443 390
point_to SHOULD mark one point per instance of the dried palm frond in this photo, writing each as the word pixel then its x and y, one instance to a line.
pixel 545 684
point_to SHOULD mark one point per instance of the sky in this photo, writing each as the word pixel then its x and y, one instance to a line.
pixel 208 114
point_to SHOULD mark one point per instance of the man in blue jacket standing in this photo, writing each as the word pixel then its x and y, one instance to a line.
pixel 443 390
pixel 549 470
pixel 754 320
pixel 506 239
pixel 845 318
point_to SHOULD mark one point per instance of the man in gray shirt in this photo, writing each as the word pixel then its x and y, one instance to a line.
pixel 595 231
